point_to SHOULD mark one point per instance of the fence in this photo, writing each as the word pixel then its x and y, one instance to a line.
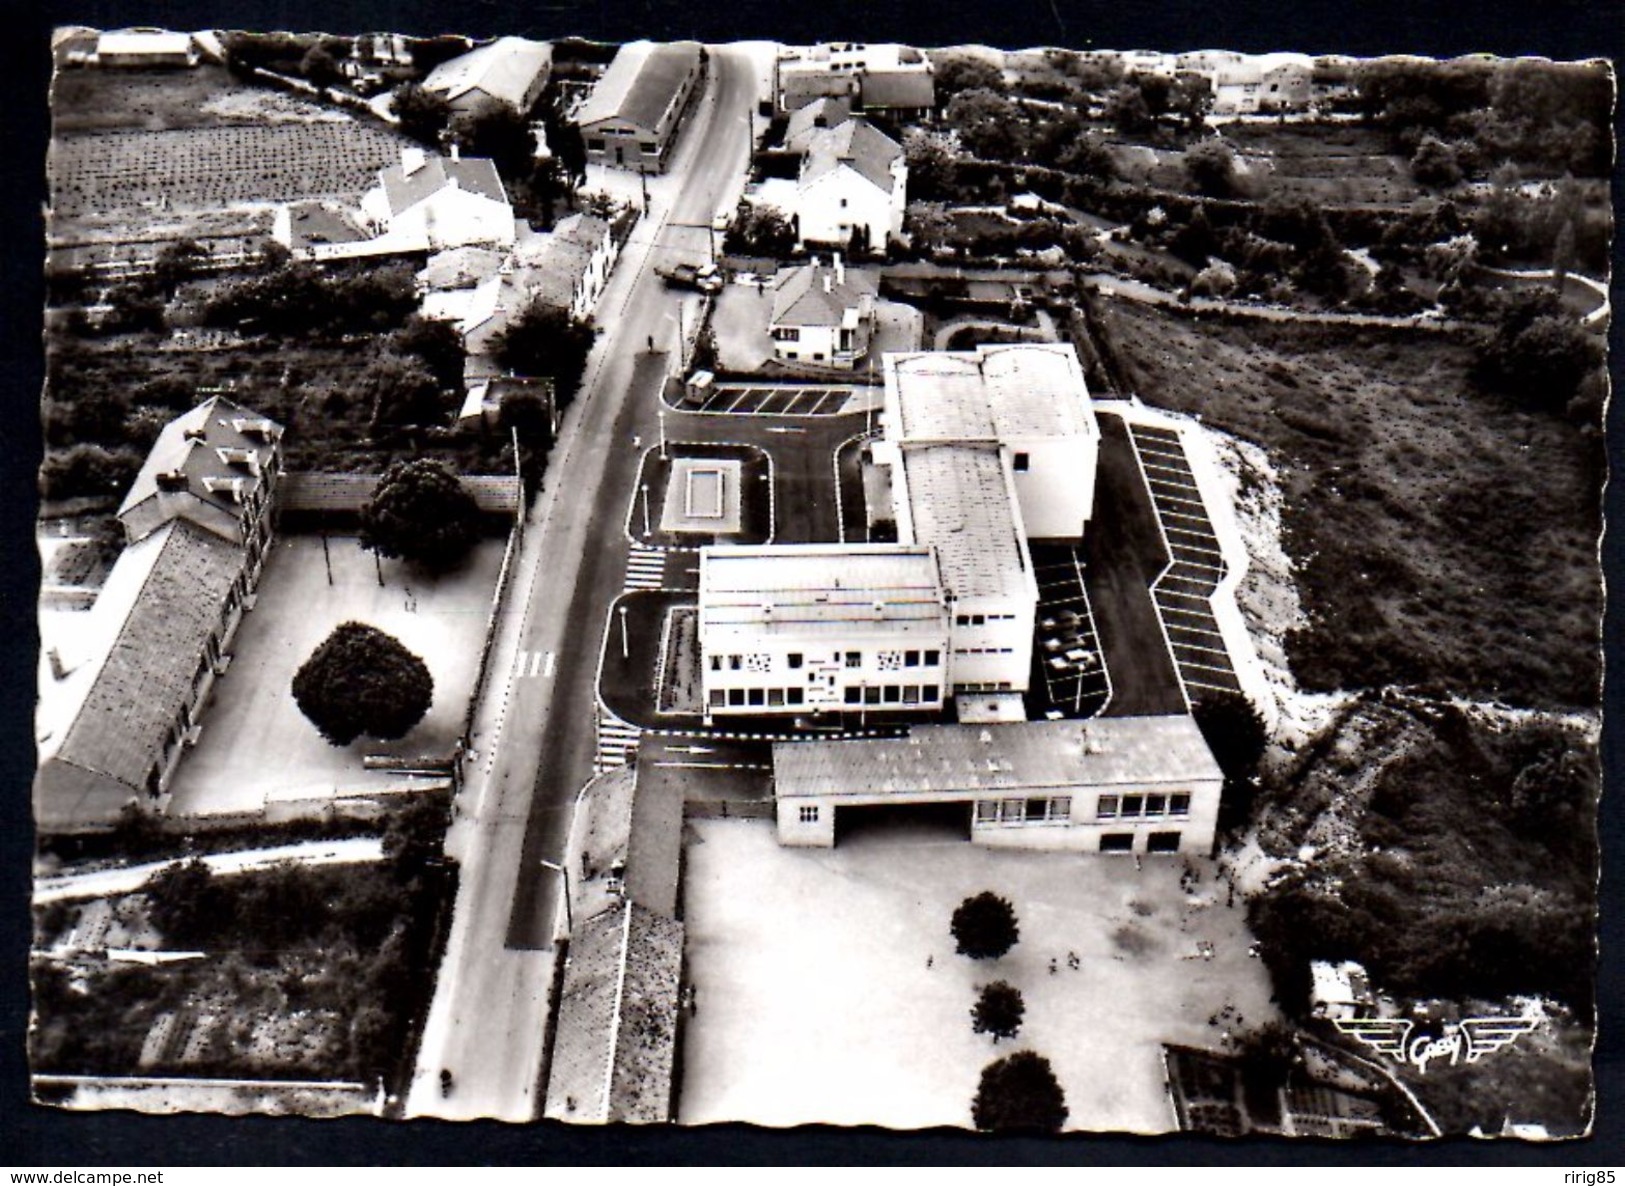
pixel 510 560
pixel 730 809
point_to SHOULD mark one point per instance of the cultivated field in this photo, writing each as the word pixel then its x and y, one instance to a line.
pixel 217 166
pixel 1438 533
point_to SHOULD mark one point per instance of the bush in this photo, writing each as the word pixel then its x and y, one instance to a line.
pixel 87 471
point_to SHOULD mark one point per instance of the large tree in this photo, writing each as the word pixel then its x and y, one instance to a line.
pixel 984 926
pixel 1235 732
pixel 424 115
pixel 402 392
pixel 999 1010
pixel 183 902
pixel 1019 1094
pixel 362 681
pixel 545 342
pixel 421 512
pixel 500 134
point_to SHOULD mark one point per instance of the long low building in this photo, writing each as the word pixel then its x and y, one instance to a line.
pixel 115 719
pixel 632 117
pixel 1120 784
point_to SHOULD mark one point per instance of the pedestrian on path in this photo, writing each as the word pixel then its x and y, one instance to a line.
pixel 929 960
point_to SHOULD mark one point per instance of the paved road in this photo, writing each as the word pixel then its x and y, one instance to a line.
pixel 534 737
pixel 129 878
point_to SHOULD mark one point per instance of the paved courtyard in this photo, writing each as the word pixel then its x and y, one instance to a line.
pixel 255 740
pixel 827 988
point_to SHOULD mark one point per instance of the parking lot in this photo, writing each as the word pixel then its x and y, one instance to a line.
pixel 1184 592
pixel 777 399
pixel 1076 681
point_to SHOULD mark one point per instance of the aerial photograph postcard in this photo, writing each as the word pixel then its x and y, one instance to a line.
pixel 987 588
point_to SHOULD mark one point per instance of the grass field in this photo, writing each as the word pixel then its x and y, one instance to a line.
pixel 1439 534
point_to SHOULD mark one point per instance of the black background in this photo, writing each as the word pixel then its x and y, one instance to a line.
pixel 33 1136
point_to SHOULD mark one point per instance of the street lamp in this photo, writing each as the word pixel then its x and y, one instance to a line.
pixel 661 413
pixel 626 652
pixel 646 530
pixel 569 917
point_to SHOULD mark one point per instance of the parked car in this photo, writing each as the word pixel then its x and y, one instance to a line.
pixel 704 278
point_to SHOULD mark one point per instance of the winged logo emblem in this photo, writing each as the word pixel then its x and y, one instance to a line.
pixel 1466 1041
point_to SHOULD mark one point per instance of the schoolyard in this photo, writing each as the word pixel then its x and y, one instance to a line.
pixel 828 990
pixel 255 740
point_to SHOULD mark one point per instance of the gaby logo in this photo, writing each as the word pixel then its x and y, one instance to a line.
pixel 1466 1041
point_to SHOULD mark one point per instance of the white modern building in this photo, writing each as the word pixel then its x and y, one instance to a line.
pixel 804 629
pixel 1119 784
pixel 982 451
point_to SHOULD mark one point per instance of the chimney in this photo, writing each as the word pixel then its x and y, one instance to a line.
pixel 840 270
pixel 828 282
pixel 456 151
pixel 412 159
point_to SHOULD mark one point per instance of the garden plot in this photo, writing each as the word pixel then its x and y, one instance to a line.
pixel 219 166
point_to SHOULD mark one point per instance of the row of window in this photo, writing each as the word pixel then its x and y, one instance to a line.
pixel 983 651
pixel 757 697
pixel 879 694
pixel 1002 685
pixel 1057 810
pixel 981 619
pixel 796 660
pixel 893 694
pixel 596 145
pixel 1142 806
pixel 1124 842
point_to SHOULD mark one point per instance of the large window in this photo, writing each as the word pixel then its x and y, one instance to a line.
pixel 807 815
pixel 854 658
pixel 1015 812
pixel 794 659
pixel 1162 842
pixel 1117 842
pixel 1107 807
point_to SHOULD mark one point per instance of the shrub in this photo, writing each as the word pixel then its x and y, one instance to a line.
pixel 360 680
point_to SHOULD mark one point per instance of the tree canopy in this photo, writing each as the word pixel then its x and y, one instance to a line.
pixel 424 115
pixel 1019 1093
pixel 998 1011
pixel 362 681
pixel 499 133
pixel 421 512
pixel 984 926
pixel 545 342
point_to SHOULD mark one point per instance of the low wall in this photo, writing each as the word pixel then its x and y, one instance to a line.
pixel 729 809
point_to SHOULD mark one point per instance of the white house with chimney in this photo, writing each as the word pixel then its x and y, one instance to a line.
pixel 852 179
pixel 823 314
pixel 441 202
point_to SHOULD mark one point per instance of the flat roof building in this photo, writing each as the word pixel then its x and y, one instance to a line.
pixel 807 628
pixel 1120 784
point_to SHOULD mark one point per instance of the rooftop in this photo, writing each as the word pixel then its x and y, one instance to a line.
pixel 617 1023
pixel 960 502
pixel 820 294
pixel 824 112
pixel 168 590
pixel 421 175
pixel 506 69
pixel 801 588
pixel 216 443
pixel 640 83
pixel 856 143
pixel 1031 756
pixel 992 393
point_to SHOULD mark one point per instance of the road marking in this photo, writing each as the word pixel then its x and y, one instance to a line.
pixel 551 663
